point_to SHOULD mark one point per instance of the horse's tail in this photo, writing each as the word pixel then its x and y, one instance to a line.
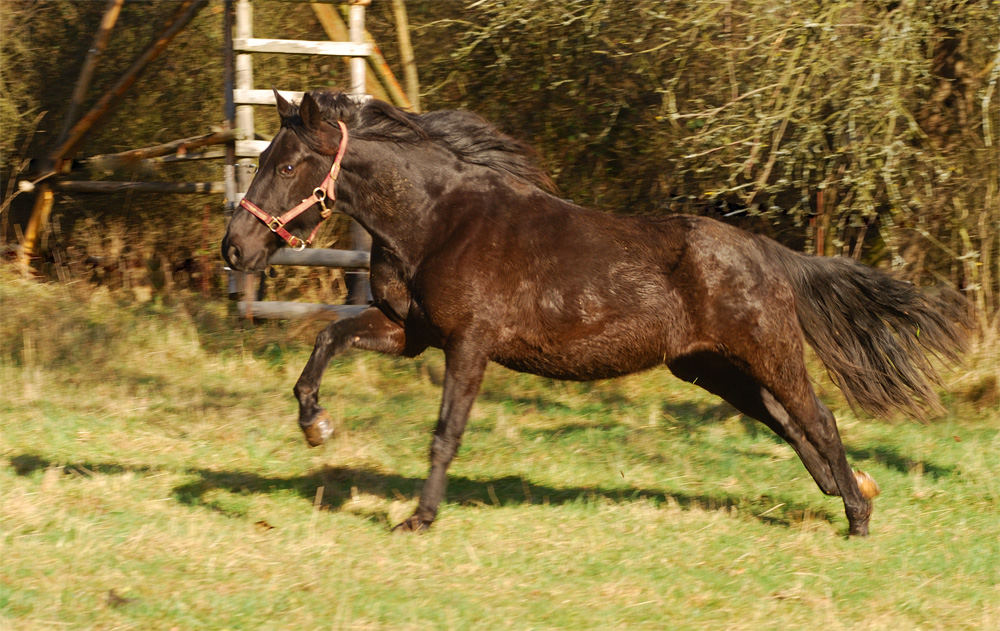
pixel 872 331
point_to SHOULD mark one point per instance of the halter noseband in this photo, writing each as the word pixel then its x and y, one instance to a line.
pixel 320 195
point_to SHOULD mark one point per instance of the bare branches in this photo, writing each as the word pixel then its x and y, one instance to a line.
pixel 849 125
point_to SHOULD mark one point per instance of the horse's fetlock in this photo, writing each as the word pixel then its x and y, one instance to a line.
pixel 324 338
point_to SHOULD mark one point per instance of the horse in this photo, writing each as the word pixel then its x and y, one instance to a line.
pixel 474 253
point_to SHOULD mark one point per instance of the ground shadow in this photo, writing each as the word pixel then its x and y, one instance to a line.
pixel 891 458
pixel 340 484
pixel 27 464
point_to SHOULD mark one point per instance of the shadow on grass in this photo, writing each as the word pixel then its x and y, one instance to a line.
pixel 340 484
pixel 890 457
pixel 27 464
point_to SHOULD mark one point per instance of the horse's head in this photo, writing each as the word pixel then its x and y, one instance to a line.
pixel 293 190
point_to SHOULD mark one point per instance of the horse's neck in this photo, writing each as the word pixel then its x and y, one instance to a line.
pixel 393 194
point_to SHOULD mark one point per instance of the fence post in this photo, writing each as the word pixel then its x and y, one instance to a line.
pixel 242 286
pixel 359 290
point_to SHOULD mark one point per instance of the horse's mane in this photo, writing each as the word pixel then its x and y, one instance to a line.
pixel 468 136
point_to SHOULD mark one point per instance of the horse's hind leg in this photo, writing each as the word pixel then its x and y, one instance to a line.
pixel 856 488
pixel 719 376
pixel 775 416
pixel 812 425
pixel 822 453
pixel 370 330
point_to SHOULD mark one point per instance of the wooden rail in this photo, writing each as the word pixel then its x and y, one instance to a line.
pixel 284 310
pixel 300 47
pixel 112 161
pixel 321 257
pixel 279 310
pixel 106 186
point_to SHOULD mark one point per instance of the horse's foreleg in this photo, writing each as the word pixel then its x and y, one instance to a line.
pixel 370 330
pixel 464 367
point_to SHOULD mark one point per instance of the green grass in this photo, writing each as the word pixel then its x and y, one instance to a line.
pixel 152 477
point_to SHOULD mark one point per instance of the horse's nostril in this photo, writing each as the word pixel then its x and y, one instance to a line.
pixel 233 255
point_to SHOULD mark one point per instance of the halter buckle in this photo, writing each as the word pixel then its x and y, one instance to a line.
pixel 319 194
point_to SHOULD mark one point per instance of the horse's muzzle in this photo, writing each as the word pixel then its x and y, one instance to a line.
pixel 237 259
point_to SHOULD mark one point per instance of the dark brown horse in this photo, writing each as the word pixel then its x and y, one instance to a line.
pixel 471 253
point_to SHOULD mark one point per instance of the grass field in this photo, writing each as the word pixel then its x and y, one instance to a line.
pixel 152 476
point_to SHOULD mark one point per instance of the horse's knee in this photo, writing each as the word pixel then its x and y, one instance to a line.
pixel 332 336
pixel 302 390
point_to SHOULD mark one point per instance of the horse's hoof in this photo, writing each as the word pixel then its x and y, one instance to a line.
pixel 413 524
pixel 858 530
pixel 869 488
pixel 319 429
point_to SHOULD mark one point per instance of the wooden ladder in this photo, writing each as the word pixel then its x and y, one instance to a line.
pixel 242 97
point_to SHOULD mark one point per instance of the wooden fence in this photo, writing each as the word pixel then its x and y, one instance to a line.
pixel 320 257
pixel 348 39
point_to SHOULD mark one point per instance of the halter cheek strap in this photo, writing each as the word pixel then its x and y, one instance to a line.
pixel 326 191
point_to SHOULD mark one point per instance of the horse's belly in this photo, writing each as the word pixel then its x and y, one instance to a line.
pixel 545 367
pixel 583 359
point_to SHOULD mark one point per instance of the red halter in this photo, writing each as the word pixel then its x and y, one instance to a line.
pixel 322 193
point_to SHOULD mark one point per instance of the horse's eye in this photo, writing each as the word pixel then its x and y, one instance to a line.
pixel 286 169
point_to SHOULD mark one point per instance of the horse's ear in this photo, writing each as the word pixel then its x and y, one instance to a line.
pixel 309 112
pixel 284 107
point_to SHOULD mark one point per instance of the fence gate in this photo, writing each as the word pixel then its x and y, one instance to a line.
pixel 348 38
